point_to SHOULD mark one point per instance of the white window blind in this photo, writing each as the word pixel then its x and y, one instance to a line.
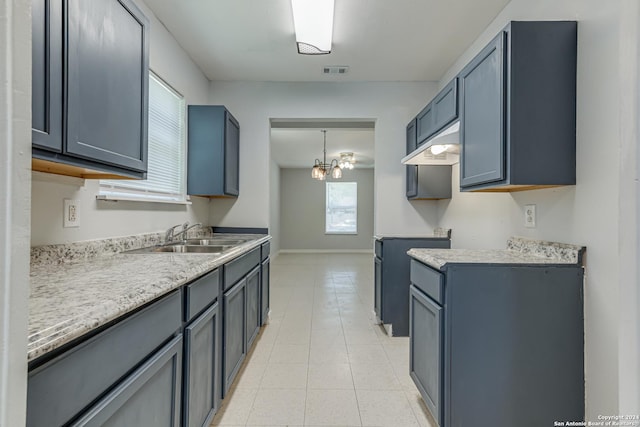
pixel 166 159
pixel 342 208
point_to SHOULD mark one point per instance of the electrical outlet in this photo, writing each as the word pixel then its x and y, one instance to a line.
pixel 530 216
pixel 71 213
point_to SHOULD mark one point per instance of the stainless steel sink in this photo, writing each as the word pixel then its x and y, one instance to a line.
pixel 183 249
pixel 214 242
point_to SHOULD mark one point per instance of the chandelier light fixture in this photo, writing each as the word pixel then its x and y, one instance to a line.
pixel 346 161
pixel 313 23
pixel 321 169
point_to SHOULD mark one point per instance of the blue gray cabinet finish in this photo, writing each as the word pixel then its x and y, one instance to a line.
pixel 425 124
pixel 265 283
pixel 200 293
pixel 513 345
pixel 392 279
pixel 517 105
pixel 253 305
pixel 54 396
pixel 411 170
pixel 150 396
pixel 90 99
pixel 46 75
pixel 235 333
pixel 213 163
pixel 202 384
pixel 426 351
pixel 445 106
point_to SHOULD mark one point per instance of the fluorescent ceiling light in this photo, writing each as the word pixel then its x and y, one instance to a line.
pixel 313 23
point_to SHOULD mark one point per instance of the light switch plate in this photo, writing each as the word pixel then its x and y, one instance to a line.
pixel 71 213
pixel 530 216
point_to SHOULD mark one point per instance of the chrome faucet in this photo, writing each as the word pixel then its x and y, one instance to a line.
pixel 169 235
pixel 186 227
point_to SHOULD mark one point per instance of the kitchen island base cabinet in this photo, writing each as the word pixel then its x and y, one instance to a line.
pixel 202 391
pixel 148 397
pixel 510 350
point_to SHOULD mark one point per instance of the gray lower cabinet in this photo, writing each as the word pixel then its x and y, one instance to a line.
pixel 517 105
pixel 202 385
pixel 55 396
pixel 253 305
pixel 213 163
pixel 392 278
pixel 148 397
pixel 498 344
pixel 265 291
pixel 90 97
pixel 235 332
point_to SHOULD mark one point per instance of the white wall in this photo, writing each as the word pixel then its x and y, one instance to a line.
pixel 108 219
pixel 302 209
pixel 588 213
pixel 391 105
pixel 274 208
pixel 15 166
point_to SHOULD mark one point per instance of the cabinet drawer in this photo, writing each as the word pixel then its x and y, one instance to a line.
pixel 54 396
pixel 378 248
pixel 266 250
pixel 239 267
pixel 428 281
pixel 200 294
pixel 148 397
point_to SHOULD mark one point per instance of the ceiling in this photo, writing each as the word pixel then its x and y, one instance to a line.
pixel 299 147
pixel 380 40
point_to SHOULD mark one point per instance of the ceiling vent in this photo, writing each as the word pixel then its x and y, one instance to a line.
pixel 335 69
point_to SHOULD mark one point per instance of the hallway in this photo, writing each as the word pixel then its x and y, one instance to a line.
pixel 321 359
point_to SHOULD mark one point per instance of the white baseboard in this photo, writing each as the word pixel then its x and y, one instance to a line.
pixel 325 251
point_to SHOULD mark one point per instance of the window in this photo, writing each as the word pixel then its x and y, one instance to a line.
pixel 342 208
pixel 166 159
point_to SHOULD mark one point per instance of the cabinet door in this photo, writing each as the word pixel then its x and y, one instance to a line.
pixel 253 305
pixel 202 382
pixel 264 291
pixel 234 309
pixel 377 299
pixel 231 156
pixel 411 170
pixel 482 116
pixel 107 80
pixel 424 124
pixel 426 350
pixel 46 77
pixel 148 397
pixel 445 105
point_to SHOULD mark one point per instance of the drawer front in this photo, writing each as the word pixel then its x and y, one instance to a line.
pixel 201 293
pixel 428 280
pixel 148 397
pixel 54 396
pixel 266 250
pixel 239 267
pixel 378 248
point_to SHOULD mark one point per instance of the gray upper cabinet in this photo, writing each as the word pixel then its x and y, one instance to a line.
pixel 214 152
pixel 107 82
pixel 46 63
pixel 426 182
pixel 412 170
pixel 518 109
pixel 424 124
pixel 90 98
pixel 445 106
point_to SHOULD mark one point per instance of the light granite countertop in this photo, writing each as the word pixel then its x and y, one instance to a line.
pixel 519 251
pixel 72 297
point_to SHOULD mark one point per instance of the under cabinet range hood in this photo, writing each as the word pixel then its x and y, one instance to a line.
pixel 441 149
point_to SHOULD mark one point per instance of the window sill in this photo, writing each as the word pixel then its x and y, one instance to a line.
pixel 123 197
pixel 339 233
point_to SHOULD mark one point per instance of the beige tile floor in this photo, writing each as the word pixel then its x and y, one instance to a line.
pixel 321 360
